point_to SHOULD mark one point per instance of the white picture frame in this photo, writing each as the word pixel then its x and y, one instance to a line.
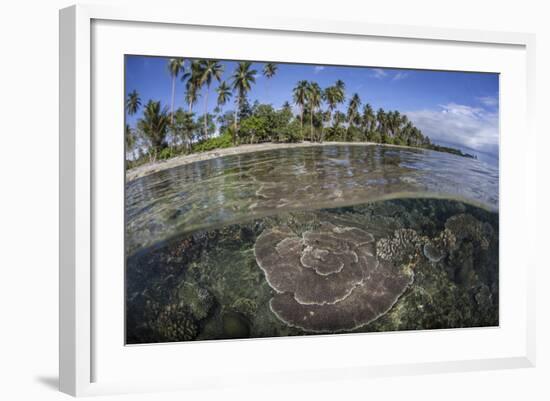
pixel 80 228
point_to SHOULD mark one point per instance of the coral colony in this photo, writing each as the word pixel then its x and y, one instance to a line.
pixel 329 279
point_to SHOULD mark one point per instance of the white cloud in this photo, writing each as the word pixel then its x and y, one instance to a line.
pixel 472 127
pixel 400 75
pixel 379 73
pixel 318 68
pixel 489 101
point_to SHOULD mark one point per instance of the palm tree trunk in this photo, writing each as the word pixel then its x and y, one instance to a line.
pixel 323 129
pixel 172 103
pixel 235 120
pixel 311 131
pixel 347 129
pixel 206 113
pixel 302 122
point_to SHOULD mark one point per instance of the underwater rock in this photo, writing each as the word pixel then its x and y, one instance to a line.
pixel 437 248
pixel 483 297
pixel 433 253
pixel 235 325
pixel 328 279
pixel 465 226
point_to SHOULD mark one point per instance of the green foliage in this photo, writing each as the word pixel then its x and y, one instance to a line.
pixel 291 132
pixel 154 125
pixel 200 133
pixel 224 93
pixel 374 136
pixel 133 102
pixel 267 124
pixel 219 142
pixel 385 138
pixel 183 128
pixel 355 134
pixel 166 153
pixel 269 70
pixel 129 139
pixel 335 133
pixel 225 120
pixel 254 129
pixel 399 141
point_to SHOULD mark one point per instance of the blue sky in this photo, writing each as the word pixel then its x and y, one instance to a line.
pixel 453 108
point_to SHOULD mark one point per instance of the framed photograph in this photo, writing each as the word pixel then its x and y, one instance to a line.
pixel 231 193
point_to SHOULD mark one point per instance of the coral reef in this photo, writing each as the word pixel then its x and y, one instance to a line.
pixel 174 324
pixel 438 248
pixel 405 244
pixel 351 268
pixel 197 300
pixel 465 226
pixel 328 280
pixel 246 306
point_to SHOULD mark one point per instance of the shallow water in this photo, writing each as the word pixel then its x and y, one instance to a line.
pixel 237 188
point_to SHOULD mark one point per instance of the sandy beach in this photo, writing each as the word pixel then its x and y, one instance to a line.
pixel 149 168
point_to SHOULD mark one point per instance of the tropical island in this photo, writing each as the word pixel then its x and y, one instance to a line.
pixel 313 115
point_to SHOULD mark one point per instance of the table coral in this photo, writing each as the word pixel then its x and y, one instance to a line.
pixel 329 279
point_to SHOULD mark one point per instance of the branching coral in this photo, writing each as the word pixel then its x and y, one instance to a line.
pixel 174 324
pixel 405 244
pixel 328 279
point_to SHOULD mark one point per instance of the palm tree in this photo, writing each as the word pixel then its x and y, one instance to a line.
pixel 333 95
pixel 210 69
pixel 175 66
pixel 341 88
pixel 154 125
pixel 242 79
pixel 368 119
pixel 314 98
pixel 394 122
pixel 133 102
pixel 224 94
pixel 270 69
pixel 353 109
pixel 183 127
pixel 192 85
pixel 381 120
pixel 191 95
pixel 129 139
pixel 286 107
pixel 300 97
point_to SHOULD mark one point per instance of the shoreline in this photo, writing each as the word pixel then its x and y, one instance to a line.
pixel 161 165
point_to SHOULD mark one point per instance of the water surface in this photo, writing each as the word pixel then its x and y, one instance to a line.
pixel 236 188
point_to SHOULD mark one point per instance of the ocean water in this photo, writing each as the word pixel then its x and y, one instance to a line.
pixel 333 239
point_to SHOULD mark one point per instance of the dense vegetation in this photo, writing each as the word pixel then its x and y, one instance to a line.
pixel 164 132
